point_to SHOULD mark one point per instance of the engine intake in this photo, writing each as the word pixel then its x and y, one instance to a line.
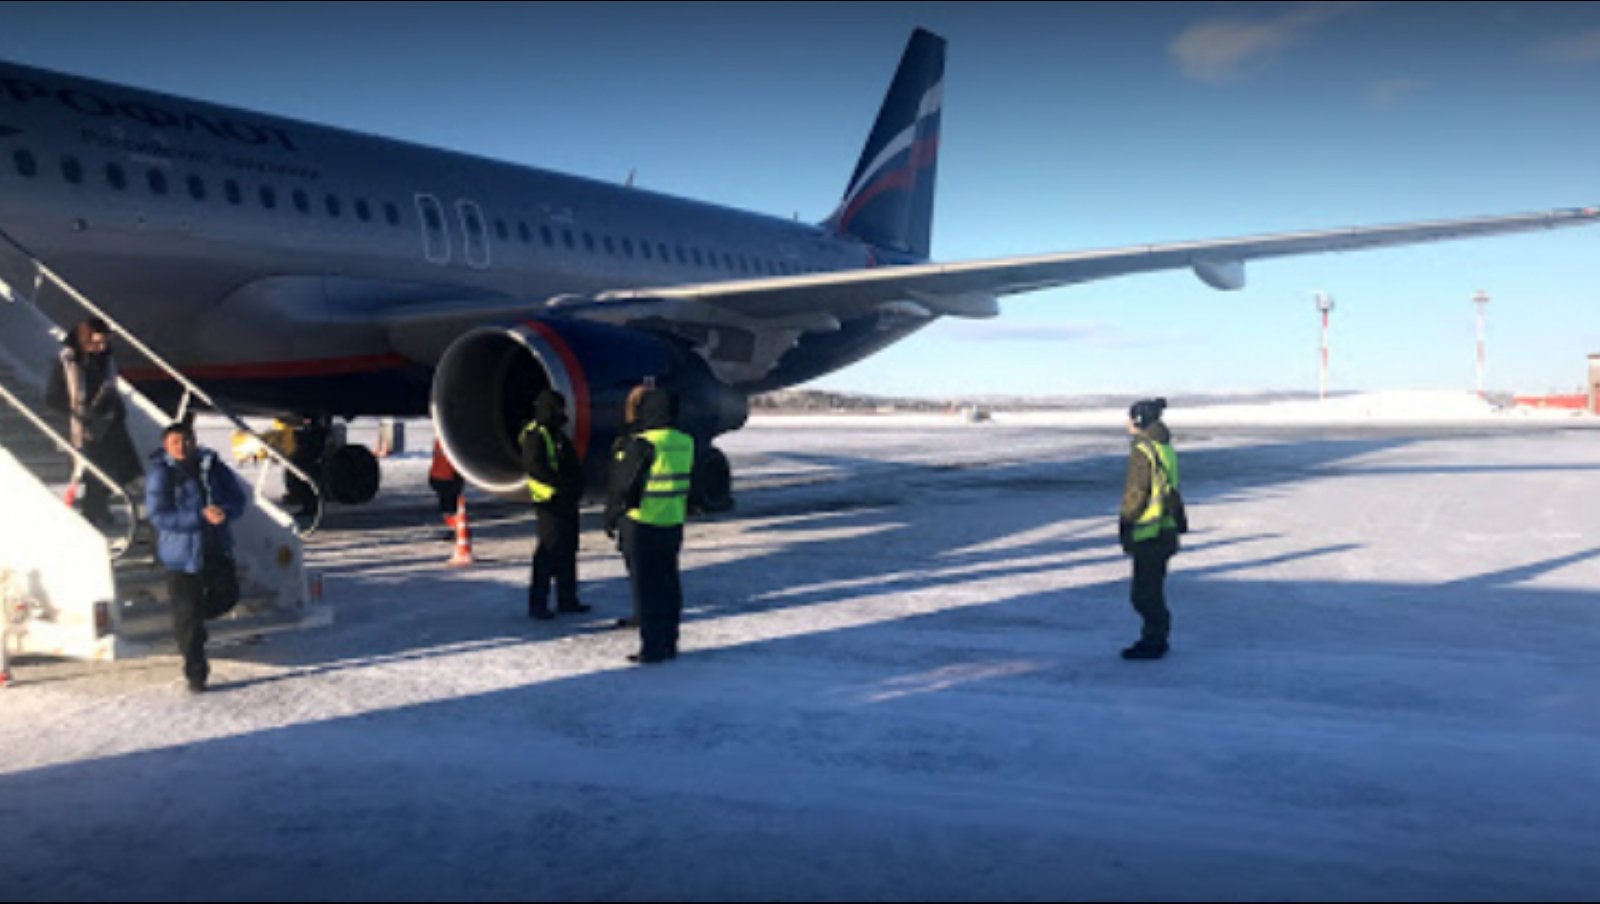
pixel 486 382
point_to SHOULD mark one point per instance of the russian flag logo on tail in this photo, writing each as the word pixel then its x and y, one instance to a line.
pixel 890 200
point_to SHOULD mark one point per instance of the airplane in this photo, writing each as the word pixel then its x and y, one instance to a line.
pixel 297 268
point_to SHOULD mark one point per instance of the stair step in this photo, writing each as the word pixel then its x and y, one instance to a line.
pixel 149 623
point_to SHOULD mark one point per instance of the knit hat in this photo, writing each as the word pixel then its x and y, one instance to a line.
pixel 1145 413
pixel 550 409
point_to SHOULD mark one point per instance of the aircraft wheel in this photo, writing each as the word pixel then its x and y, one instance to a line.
pixel 351 476
pixel 712 489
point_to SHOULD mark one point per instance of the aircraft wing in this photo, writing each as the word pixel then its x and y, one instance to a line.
pixel 773 314
pixel 972 289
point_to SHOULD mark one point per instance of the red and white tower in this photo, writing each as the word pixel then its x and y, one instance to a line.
pixel 1325 306
pixel 1482 301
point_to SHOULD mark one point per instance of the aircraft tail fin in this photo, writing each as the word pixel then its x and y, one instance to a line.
pixel 890 199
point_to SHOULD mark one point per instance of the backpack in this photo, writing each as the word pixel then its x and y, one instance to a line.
pixel 219 576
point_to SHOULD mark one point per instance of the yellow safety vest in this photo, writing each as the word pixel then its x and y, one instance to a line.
pixel 666 494
pixel 542 492
pixel 1164 469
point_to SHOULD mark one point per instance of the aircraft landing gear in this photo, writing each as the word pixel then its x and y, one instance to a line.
pixel 711 491
pixel 345 473
pixel 350 476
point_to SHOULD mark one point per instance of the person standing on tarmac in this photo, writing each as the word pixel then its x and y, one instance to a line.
pixel 192 497
pixel 555 478
pixel 647 503
pixel 630 430
pixel 1151 521
pixel 447 485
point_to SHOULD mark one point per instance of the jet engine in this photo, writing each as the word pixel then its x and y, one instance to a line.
pixel 486 382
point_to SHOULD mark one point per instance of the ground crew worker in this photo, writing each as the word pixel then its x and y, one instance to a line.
pixel 555 479
pixel 310 434
pixel 630 429
pixel 1152 518
pixel 647 504
pixel 447 486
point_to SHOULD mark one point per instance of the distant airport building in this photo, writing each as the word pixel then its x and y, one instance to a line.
pixel 1588 401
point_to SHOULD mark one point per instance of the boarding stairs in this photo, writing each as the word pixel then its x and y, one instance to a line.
pixel 72 590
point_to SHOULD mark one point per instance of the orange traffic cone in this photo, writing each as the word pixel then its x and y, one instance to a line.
pixel 463 556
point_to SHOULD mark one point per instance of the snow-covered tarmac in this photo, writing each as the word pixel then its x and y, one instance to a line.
pixel 901 682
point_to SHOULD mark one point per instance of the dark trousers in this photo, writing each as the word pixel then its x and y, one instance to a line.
pixel 114 454
pixel 448 493
pixel 96 500
pixel 189 624
pixel 555 559
pixel 1150 562
pixel 652 557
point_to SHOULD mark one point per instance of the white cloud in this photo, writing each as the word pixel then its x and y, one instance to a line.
pixel 1578 49
pixel 1392 93
pixel 1219 51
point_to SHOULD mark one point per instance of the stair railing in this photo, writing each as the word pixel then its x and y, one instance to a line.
pixel 120 545
pixel 42 274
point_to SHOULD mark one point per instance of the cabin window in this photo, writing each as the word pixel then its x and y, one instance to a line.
pixel 269 197
pixel 116 177
pixel 230 189
pixel 524 233
pixel 363 210
pixel 27 166
pixel 302 201
pixel 197 188
pixel 392 214
pixel 157 181
pixel 334 206
pixel 72 170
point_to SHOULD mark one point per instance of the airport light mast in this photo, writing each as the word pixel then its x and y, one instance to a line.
pixel 1325 307
pixel 1482 301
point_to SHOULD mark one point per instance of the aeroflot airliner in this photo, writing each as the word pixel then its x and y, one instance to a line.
pixel 290 267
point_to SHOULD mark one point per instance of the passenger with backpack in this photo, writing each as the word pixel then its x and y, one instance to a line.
pixel 191 498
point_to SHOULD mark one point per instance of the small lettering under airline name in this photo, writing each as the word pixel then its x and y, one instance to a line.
pixel 22 91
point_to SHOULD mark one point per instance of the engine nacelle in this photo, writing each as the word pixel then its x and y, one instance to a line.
pixel 485 385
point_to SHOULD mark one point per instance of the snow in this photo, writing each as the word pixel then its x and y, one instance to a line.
pixel 899 681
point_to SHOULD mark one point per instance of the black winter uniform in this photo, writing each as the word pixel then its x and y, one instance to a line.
pixel 555 556
pixel 1151 558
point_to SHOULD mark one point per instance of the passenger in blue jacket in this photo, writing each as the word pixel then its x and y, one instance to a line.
pixel 191 497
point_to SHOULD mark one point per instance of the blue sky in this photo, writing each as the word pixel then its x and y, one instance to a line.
pixel 1067 126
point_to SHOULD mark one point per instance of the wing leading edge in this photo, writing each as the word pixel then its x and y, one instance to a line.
pixel 776 313
pixel 971 289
